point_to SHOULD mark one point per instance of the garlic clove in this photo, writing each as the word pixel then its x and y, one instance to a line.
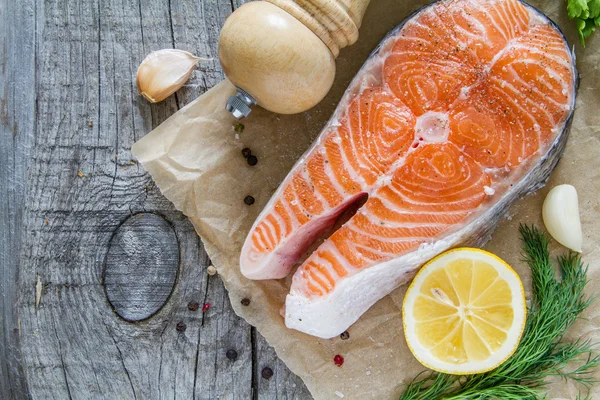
pixel 163 72
pixel 561 216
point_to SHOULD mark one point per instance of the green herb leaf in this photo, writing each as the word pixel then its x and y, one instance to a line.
pixel 588 28
pixel 586 14
pixel 555 306
pixel 594 6
pixel 576 7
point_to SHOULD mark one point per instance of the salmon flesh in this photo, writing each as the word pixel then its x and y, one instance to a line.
pixel 460 111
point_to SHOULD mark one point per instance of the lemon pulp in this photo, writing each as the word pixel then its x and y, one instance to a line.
pixel 464 312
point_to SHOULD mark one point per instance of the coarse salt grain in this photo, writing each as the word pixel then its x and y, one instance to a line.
pixel 339 394
pixel 488 190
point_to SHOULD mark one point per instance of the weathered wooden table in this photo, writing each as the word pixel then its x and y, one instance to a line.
pixel 82 222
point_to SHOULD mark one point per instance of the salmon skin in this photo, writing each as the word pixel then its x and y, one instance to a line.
pixel 461 110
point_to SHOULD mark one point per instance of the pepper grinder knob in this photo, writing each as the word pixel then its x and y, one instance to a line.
pixel 281 55
pixel 240 103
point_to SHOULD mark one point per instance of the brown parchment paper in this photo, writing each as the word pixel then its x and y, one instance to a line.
pixel 195 159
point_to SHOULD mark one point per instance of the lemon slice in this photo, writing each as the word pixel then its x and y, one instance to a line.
pixel 464 312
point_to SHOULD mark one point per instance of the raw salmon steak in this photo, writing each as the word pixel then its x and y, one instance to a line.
pixel 460 111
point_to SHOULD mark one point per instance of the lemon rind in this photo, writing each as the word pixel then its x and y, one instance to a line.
pixel 516 341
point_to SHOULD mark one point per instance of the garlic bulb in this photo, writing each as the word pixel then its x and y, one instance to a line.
pixel 561 216
pixel 163 72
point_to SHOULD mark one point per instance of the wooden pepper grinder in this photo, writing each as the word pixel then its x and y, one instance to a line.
pixel 281 54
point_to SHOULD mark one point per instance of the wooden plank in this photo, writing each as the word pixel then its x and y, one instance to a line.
pixel 74 346
pixel 282 385
pixel 195 28
pixel 82 186
pixel 141 266
pixel 17 127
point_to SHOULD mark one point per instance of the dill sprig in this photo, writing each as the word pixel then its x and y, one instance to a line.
pixel 555 306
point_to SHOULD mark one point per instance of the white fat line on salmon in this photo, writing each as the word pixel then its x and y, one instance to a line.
pixel 370 144
pixel 335 252
pixel 392 207
pixel 430 231
pixel 352 135
pixel 261 236
pixel 364 261
pixel 378 155
pixel 499 55
pixel 314 264
pixel 513 12
pixel 280 218
pixel 533 106
pixel 544 54
pixel 549 45
pixel 329 247
pixel 440 23
pixel 514 135
pixel 472 21
pixel 331 176
pixel 376 251
pixel 386 179
pixel 326 264
pixel 535 90
pixel 508 30
pixel 442 202
pixel 510 98
pixel 518 122
pixel 515 44
pixel 402 192
pixel 272 224
pixel 295 202
pixel 315 270
pixel 552 74
pixel 375 220
pixel 417 63
pixel 354 175
pixel 270 233
pixel 295 222
pixel 304 174
pixel 438 171
pixel 324 186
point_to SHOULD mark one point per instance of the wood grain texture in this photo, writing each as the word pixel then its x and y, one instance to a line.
pixel 283 385
pixel 69 115
pixel 141 266
pixel 17 128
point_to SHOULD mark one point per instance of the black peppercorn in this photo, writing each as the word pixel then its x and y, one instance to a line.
pixel 245 302
pixel 267 373
pixel 249 200
pixel 180 327
pixel 246 152
pixel 231 354
pixel 252 160
pixel 193 306
pixel 345 335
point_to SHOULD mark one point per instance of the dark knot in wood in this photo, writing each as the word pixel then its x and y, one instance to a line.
pixel 141 266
